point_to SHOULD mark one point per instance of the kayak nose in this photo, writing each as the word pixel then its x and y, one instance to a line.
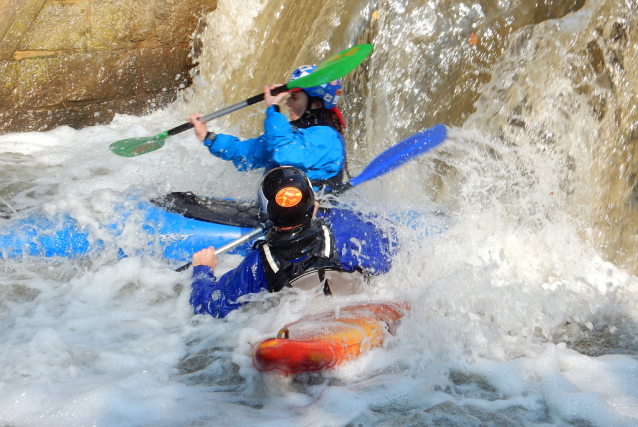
pixel 293 356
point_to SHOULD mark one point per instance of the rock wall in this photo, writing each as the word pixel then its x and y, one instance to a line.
pixel 78 62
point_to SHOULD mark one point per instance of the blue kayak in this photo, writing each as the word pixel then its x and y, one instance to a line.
pixel 174 226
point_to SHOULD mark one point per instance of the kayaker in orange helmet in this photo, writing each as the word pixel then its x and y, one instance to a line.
pixel 299 250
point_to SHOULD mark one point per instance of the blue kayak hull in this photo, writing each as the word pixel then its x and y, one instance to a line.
pixel 173 227
pixel 173 236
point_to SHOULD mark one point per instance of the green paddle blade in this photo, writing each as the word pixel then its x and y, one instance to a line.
pixel 136 146
pixel 334 67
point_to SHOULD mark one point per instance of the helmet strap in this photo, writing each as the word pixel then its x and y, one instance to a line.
pixel 309 108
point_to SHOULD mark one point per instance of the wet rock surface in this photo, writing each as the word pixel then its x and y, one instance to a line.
pixel 80 63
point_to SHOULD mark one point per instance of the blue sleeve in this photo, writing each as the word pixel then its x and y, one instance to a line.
pixel 217 297
pixel 360 243
pixel 319 150
pixel 245 155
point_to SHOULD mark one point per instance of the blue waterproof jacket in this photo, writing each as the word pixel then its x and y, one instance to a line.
pixel 319 151
pixel 361 246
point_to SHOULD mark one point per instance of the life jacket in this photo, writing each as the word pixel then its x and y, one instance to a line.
pixel 321 267
pixel 318 117
pixel 335 185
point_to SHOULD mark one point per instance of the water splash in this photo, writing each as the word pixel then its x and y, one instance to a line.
pixel 515 311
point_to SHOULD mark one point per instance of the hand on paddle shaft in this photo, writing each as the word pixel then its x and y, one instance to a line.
pixel 206 258
pixel 388 160
pixel 332 69
pixel 273 95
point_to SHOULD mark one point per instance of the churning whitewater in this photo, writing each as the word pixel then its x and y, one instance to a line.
pixel 519 267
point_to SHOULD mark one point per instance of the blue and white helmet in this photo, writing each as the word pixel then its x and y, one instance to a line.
pixel 329 92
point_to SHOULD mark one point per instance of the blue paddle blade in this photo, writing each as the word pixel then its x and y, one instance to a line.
pixel 400 153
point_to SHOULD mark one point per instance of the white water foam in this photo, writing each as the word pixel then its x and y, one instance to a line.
pixel 513 309
pixel 114 341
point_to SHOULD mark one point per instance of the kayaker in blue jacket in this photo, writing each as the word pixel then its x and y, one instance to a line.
pixel 312 141
pixel 299 251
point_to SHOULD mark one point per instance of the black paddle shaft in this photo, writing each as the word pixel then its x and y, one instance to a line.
pixel 250 101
